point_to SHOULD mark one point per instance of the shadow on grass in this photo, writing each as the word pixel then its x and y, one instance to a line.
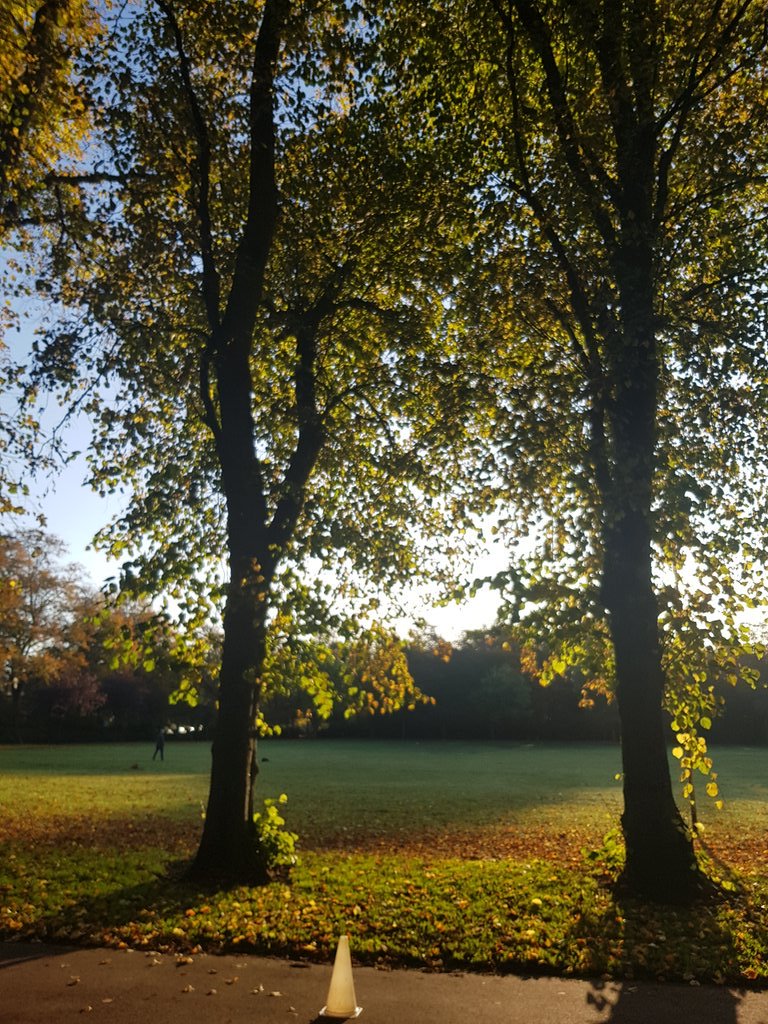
pixel 168 912
pixel 617 938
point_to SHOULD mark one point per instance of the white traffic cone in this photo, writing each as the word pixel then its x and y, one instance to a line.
pixel 341 1002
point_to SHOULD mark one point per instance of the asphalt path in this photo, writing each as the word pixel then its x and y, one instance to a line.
pixel 58 985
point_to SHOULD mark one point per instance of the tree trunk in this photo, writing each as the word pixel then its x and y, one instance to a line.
pixel 659 850
pixel 228 845
pixel 16 689
pixel 660 862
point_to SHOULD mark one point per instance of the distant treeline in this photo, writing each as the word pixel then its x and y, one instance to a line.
pixel 124 706
pixel 479 692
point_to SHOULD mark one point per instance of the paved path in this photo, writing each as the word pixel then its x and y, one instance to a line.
pixel 54 985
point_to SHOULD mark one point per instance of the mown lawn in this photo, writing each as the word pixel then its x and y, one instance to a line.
pixel 454 855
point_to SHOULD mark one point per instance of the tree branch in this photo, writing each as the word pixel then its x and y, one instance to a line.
pixel 311 436
pixel 589 360
pixel 682 107
pixel 202 172
pixel 100 178
pixel 261 219
pixel 210 415
pixel 581 167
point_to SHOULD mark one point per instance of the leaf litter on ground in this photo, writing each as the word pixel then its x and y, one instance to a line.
pixel 498 899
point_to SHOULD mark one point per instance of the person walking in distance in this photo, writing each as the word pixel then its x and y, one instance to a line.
pixel 160 745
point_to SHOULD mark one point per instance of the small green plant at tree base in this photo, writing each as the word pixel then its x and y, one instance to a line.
pixel 609 857
pixel 274 845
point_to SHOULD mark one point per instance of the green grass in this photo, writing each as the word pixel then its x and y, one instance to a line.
pixel 445 855
pixel 369 786
pixel 366 787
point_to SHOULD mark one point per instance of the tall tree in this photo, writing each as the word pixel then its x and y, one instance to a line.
pixel 250 289
pixel 617 180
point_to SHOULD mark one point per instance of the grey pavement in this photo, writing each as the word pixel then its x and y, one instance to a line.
pixel 58 985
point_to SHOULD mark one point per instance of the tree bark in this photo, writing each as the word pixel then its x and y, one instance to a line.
pixel 229 843
pixel 620 192
pixel 228 846
pixel 660 861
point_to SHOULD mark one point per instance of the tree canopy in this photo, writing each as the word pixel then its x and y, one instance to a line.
pixel 43 114
pixel 42 605
pixel 44 123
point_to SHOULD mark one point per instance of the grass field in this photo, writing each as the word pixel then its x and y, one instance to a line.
pixel 438 854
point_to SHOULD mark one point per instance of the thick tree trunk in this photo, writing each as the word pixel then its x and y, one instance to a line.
pixel 660 862
pixel 227 846
pixel 622 191
pixel 659 850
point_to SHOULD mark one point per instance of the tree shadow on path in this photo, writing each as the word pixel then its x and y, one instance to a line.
pixel 663 1003
pixel 666 949
pixel 14 953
